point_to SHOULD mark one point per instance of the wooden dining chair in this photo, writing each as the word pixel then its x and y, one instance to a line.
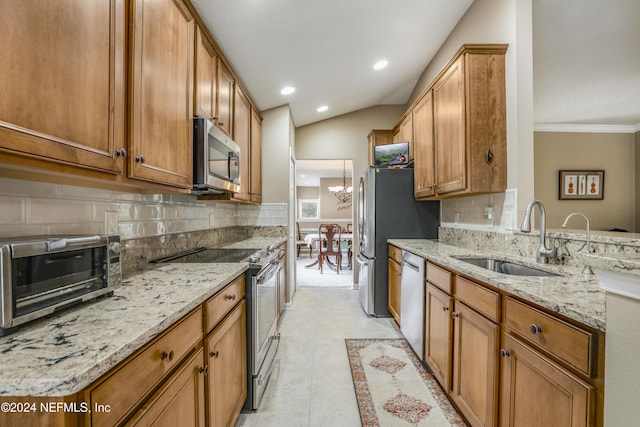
pixel 300 243
pixel 330 245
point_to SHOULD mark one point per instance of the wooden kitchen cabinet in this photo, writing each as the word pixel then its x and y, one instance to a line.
pixel 438 334
pixel 180 401
pixel 378 137
pixel 537 392
pixel 255 186
pixel 468 126
pixel 227 368
pixel 162 92
pixel 224 98
pixel 242 136
pixel 206 81
pixel 404 132
pixel 424 179
pixel 64 84
pixel 394 276
pixel 474 387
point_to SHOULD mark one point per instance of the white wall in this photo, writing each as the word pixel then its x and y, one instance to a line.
pixel 277 138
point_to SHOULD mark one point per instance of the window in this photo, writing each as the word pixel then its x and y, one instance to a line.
pixel 308 208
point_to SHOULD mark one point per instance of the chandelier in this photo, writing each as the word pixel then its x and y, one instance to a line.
pixel 342 192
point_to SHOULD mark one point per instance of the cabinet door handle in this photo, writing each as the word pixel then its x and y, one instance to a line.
pixel 489 157
pixel 230 297
pixel 140 159
pixel 167 356
pixel 455 315
pixel 121 153
pixel 535 329
pixel 204 370
pixel 505 353
pixel 214 354
pixel 445 308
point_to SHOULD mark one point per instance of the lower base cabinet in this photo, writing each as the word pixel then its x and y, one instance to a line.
pixel 437 343
pixel 474 387
pixel 180 401
pixel 227 369
pixel 538 392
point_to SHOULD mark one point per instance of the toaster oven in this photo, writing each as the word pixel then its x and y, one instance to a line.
pixel 43 274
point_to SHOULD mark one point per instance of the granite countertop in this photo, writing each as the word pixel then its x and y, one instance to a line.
pixel 570 294
pixel 627 263
pixel 64 353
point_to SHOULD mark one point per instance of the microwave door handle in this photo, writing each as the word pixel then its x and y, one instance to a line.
pixel 233 156
pixel 63 243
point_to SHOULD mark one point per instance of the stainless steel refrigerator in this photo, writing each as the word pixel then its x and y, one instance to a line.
pixel 387 210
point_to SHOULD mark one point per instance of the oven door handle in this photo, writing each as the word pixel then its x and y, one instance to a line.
pixel 63 243
pixel 269 272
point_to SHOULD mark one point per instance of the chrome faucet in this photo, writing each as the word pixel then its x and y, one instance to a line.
pixel 543 253
pixel 587 269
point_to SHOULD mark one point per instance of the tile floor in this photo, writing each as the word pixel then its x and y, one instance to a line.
pixel 311 382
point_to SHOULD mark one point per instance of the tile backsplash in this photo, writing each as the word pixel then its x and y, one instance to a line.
pixel 496 211
pixel 41 208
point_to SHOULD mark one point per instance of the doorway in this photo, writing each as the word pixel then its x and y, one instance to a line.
pixel 323 196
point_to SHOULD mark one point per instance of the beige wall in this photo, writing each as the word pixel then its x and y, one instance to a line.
pixel 330 208
pixel 637 179
pixel 613 152
pixel 277 137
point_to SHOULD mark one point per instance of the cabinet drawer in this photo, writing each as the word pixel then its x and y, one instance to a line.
pixel 439 277
pixel 571 344
pixel 481 299
pixel 395 254
pixel 136 378
pixel 221 303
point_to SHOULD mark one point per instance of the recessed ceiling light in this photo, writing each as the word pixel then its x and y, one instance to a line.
pixel 288 90
pixel 380 64
pixel 322 109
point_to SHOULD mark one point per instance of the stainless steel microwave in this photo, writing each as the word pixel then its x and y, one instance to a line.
pixel 43 274
pixel 216 160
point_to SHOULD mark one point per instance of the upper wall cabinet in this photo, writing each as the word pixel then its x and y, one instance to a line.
pixel 162 92
pixel 242 136
pixel 63 83
pixel 225 95
pixel 460 127
pixel 206 78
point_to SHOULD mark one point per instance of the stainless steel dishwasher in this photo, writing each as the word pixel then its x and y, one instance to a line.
pixel 412 301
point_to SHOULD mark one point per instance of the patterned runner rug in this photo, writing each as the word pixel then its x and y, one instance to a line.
pixel 393 388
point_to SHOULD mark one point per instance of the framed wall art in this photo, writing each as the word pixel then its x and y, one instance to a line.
pixel 581 185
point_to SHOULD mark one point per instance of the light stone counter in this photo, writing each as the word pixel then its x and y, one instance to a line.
pixel 571 294
pixel 62 354
pixel 627 263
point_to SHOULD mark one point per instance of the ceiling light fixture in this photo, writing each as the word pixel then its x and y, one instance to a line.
pixel 380 64
pixel 288 90
pixel 322 109
pixel 343 192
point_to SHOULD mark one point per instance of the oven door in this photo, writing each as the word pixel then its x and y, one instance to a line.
pixel 265 314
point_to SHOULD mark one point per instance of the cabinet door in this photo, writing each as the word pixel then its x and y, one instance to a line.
pixel 225 93
pixel 206 79
pixel 255 190
pixel 406 132
pixel 162 92
pixel 449 124
pixel 536 392
pixel 179 402
pixel 227 359
pixel 437 333
pixel 423 146
pixel 394 273
pixel 242 135
pixel 475 366
pixel 63 81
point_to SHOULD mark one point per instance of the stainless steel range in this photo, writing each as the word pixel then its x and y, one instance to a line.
pixel 263 337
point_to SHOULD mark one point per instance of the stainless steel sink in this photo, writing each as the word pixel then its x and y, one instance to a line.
pixel 506 267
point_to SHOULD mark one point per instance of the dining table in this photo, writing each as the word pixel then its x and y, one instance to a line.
pixel 315 237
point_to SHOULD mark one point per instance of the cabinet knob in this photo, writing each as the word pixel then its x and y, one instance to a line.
pixel 121 153
pixel 504 353
pixel 204 370
pixel 214 354
pixel 535 329
pixel 167 356
pixel 445 308
pixel 230 297
pixel 455 315
pixel 221 124
pixel 140 159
